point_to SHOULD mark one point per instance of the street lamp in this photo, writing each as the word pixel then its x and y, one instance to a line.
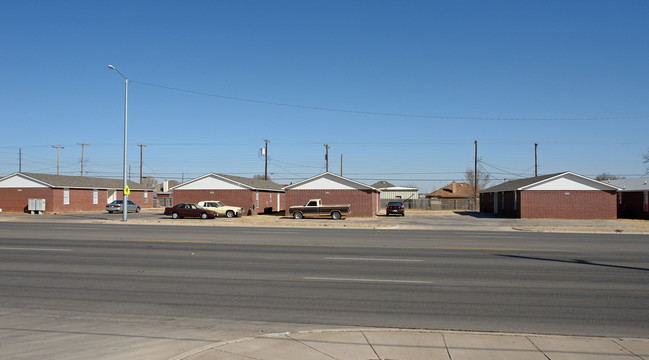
pixel 125 201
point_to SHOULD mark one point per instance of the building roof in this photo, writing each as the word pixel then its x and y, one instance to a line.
pixel 238 181
pixel 78 182
pixel 638 184
pixel 453 190
pixel 386 186
pixel 526 184
pixel 329 180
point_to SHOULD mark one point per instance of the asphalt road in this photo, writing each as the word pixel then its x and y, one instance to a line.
pixel 573 284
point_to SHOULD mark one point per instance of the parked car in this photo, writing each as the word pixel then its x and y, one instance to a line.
pixel 116 206
pixel 189 210
pixel 315 208
pixel 221 209
pixel 395 207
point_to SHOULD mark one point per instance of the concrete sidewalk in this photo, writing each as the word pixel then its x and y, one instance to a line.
pixel 393 344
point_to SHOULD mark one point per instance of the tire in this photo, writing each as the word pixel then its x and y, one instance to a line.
pixel 404 214
pixel 137 209
pixel 229 214
pixel 203 216
pixel 110 212
pixel 335 215
pixel 174 215
pixel 298 215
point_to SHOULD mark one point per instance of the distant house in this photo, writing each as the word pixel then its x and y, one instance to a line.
pixel 454 196
pixel 560 196
pixel 633 198
pixel 390 192
pixel 63 193
pixel 334 189
pixel 253 195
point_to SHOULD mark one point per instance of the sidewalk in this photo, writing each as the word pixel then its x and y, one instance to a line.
pixel 393 344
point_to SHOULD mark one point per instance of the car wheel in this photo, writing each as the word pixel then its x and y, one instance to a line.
pixel 110 212
pixel 404 214
pixel 175 215
pixel 335 215
pixel 229 214
pixel 203 215
pixel 137 209
pixel 298 215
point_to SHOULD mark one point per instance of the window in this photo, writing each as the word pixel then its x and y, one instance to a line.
pixel 95 197
pixel 515 200
pixel 66 196
pixel 146 197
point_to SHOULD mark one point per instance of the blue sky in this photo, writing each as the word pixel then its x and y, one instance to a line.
pixel 400 88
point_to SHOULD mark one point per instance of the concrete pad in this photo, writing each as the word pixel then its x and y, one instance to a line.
pixel 412 345
pixel 340 345
pixel 639 347
pixel 573 348
pixel 272 347
pixel 491 347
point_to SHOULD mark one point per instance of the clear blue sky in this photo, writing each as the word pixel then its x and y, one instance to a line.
pixel 400 88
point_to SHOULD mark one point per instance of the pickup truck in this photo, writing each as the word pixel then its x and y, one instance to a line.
pixel 315 208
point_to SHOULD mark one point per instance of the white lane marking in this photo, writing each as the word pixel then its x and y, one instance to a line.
pixel 33 249
pixel 369 280
pixel 371 259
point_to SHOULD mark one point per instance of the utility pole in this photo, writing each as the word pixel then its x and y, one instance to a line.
pixel 535 162
pixel 326 157
pixel 341 164
pixel 266 164
pixel 58 151
pixel 82 148
pixel 20 160
pixel 141 146
pixel 475 174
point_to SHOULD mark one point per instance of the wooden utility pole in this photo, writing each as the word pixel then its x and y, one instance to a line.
pixel 20 160
pixel 536 173
pixel 326 157
pixel 475 175
pixel 266 141
pixel 341 164
pixel 82 148
pixel 141 146
pixel 58 152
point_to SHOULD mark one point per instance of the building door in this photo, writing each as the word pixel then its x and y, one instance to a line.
pixel 495 203
pixel 111 196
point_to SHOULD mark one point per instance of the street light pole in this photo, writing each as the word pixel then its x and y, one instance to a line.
pixel 125 201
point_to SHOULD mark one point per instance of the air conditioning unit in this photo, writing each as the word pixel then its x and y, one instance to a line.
pixel 36 206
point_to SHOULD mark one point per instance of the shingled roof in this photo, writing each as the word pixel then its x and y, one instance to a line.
pixel 453 190
pixel 67 181
pixel 521 184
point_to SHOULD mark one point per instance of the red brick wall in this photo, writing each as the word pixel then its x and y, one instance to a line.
pixel 363 203
pixel 247 199
pixel 16 199
pixel 568 204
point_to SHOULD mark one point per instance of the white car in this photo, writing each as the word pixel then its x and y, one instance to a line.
pixel 221 209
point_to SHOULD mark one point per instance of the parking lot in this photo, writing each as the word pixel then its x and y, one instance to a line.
pixel 414 219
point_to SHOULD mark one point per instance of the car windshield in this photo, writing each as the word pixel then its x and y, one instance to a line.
pixel 218 204
pixel 395 203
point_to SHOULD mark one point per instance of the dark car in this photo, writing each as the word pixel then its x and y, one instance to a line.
pixel 189 210
pixel 395 207
pixel 117 206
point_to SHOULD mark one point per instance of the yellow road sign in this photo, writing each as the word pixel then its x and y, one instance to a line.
pixel 127 190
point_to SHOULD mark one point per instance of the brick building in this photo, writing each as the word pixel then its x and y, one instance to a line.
pixel 454 196
pixel 633 198
pixel 63 193
pixel 334 190
pixel 253 195
pixel 560 196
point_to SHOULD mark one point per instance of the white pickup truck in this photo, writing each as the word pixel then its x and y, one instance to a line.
pixel 315 208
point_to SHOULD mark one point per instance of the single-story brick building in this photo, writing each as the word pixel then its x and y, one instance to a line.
pixel 454 196
pixel 63 193
pixel 253 195
pixel 335 190
pixel 633 198
pixel 560 196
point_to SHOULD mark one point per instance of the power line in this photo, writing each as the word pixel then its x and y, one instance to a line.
pixel 320 108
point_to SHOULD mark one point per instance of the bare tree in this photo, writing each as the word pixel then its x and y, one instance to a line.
pixel 483 179
pixel 606 176
pixel 260 177
pixel 645 159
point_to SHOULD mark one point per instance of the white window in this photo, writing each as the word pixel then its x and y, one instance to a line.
pixel 146 197
pixel 95 197
pixel 66 196
pixel 257 207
